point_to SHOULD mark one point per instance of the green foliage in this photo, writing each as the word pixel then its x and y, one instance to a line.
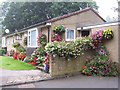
pixel 25 41
pixel 42 40
pixel 100 66
pixel 2 51
pixel 59 29
pixel 39 55
pixel 16 44
pixel 29 13
pixel 108 34
pixel 18 47
pixel 61 8
pixel 68 50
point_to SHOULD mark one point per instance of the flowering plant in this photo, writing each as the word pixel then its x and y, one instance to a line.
pixel 71 49
pixel 42 40
pixel 38 56
pixel 100 66
pixel 22 56
pixel 108 34
pixel 56 37
pixel 97 38
pixel 15 56
pixel 59 29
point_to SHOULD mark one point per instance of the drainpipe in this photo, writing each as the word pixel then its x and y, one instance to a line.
pixel 48 34
pixel 48 24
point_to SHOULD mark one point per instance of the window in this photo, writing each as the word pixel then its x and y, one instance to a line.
pixel 85 33
pixel 70 34
pixel 3 42
pixel 32 37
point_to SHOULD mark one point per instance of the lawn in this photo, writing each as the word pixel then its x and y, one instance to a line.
pixel 11 64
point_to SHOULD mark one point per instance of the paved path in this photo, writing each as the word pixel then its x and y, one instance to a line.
pixel 21 76
pixel 79 81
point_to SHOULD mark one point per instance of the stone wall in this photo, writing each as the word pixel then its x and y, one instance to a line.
pixel 60 66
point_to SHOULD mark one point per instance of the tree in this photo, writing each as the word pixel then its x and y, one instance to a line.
pixel 24 14
pixel 61 8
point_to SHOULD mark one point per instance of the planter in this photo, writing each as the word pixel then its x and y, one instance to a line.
pixel 46 68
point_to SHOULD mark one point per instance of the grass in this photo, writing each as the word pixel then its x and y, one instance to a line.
pixel 11 64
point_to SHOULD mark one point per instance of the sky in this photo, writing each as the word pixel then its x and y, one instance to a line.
pixel 105 7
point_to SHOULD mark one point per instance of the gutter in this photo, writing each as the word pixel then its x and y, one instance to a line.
pixel 97 26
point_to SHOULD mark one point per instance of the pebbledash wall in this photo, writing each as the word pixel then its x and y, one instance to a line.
pixel 113 44
pixel 60 66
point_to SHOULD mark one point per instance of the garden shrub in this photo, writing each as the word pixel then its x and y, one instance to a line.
pixel 100 66
pixel 68 50
pixel 25 41
pixel 20 53
pixel 58 31
pixel 19 47
pixel 16 44
pixel 11 53
pixel 2 52
pixel 38 56
pixel 42 40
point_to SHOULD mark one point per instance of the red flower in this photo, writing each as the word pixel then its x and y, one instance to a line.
pixel 35 59
pixel 29 62
pixel 84 67
pixel 15 56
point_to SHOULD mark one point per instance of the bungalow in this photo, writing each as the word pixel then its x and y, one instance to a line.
pixel 71 21
pixel 58 66
pixel 78 24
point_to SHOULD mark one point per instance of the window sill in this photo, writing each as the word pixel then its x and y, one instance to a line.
pixel 69 40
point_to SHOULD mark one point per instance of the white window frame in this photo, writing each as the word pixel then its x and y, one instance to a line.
pixel 29 35
pixel 3 42
pixel 66 34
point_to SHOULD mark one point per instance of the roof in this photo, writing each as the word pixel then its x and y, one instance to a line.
pixel 74 13
pixel 59 18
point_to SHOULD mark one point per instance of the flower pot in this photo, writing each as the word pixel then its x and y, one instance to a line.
pixel 46 68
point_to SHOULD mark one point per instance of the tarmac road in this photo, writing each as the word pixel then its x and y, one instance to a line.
pixel 78 81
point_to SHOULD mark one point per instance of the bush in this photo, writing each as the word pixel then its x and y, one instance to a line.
pixel 18 47
pixel 42 40
pixel 71 49
pixel 25 41
pixel 59 29
pixel 100 66
pixel 38 56
pixel 2 52
pixel 16 44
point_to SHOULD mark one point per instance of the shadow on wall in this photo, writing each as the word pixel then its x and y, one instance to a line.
pixel 29 51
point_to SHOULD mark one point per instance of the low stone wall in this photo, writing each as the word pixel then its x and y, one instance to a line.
pixel 60 67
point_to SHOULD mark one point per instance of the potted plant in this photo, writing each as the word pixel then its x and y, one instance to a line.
pixel 59 29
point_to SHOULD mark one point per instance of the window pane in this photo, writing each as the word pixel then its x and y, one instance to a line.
pixel 70 34
pixel 85 33
pixel 33 38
